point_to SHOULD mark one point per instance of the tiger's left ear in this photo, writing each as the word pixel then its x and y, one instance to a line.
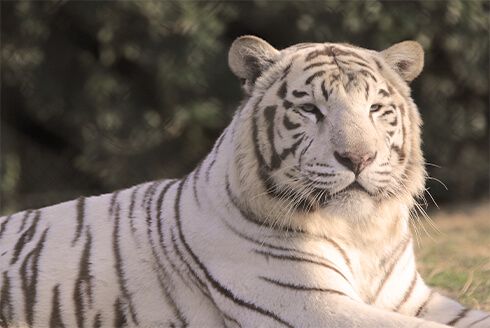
pixel 406 58
pixel 248 57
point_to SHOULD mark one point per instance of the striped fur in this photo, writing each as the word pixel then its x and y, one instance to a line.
pixel 275 228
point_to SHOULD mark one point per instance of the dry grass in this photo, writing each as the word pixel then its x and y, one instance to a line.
pixel 456 260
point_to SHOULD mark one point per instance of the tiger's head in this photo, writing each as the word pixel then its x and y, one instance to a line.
pixel 327 126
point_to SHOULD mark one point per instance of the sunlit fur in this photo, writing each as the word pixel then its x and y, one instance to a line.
pixel 268 230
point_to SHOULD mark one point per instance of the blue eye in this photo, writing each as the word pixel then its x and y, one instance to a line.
pixel 309 108
pixel 312 109
pixel 375 107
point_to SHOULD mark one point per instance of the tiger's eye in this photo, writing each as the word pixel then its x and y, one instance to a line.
pixel 312 109
pixel 375 107
pixel 309 108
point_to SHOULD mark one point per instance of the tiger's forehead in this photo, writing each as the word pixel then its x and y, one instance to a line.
pixel 310 51
pixel 332 67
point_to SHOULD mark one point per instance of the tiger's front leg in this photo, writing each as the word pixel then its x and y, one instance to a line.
pixel 403 290
pixel 295 305
pixel 439 308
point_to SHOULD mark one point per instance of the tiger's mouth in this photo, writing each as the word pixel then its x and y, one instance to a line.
pixel 314 198
pixel 353 190
pixel 355 186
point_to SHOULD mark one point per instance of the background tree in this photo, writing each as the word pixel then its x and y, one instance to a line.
pixel 97 96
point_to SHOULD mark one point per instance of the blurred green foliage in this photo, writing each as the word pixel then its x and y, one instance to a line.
pixel 97 96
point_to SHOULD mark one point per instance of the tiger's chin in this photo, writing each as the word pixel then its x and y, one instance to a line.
pixel 354 202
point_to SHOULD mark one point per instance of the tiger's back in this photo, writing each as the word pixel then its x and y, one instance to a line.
pixel 91 262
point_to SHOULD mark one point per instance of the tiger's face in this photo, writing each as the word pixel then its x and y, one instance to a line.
pixel 332 124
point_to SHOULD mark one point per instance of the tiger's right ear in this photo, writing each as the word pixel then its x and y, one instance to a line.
pixel 249 56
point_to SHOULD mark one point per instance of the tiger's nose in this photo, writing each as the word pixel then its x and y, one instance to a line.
pixel 355 162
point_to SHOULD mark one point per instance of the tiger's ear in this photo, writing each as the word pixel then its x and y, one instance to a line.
pixel 249 56
pixel 406 58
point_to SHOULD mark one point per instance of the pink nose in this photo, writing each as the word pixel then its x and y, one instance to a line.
pixel 355 162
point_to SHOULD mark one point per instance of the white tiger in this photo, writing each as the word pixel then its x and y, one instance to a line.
pixel 297 218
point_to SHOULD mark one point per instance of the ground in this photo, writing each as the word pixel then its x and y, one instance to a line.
pixel 456 259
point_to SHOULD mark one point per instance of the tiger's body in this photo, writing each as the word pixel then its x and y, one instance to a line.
pixel 299 216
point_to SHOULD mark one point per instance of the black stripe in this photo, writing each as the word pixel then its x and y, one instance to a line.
pixel 162 268
pixel 112 203
pixel 283 90
pixel 383 93
pixel 426 302
pixel 55 319
pixel 120 319
pixel 262 167
pixel 388 112
pixel 399 151
pixel 458 317
pixel 247 215
pixel 97 320
pixel 316 53
pixel 24 220
pixel 367 73
pixel 3 226
pixel 322 263
pixel 118 264
pixel 321 174
pixel 80 218
pixel 271 246
pixel 288 124
pixel 6 307
pixel 397 254
pixel 286 70
pixel 362 64
pixel 270 114
pixel 83 283
pixel 292 149
pixel 25 238
pixel 317 64
pixel 333 52
pixel 202 285
pixel 132 203
pixel 150 192
pixel 301 287
pixel 216 285
pixel 299 94
pixel 161 232
pixel 477 321
pixel 149 188
pixel 287 104
pixel 29 284
pixel 402 118
pixel 339 249
pixel 324 91
pixel 314 76
pixel 160 206
pixel 195 178
pixel 342 52
pixel 229 318
pixel 171 302
pixel 408 292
